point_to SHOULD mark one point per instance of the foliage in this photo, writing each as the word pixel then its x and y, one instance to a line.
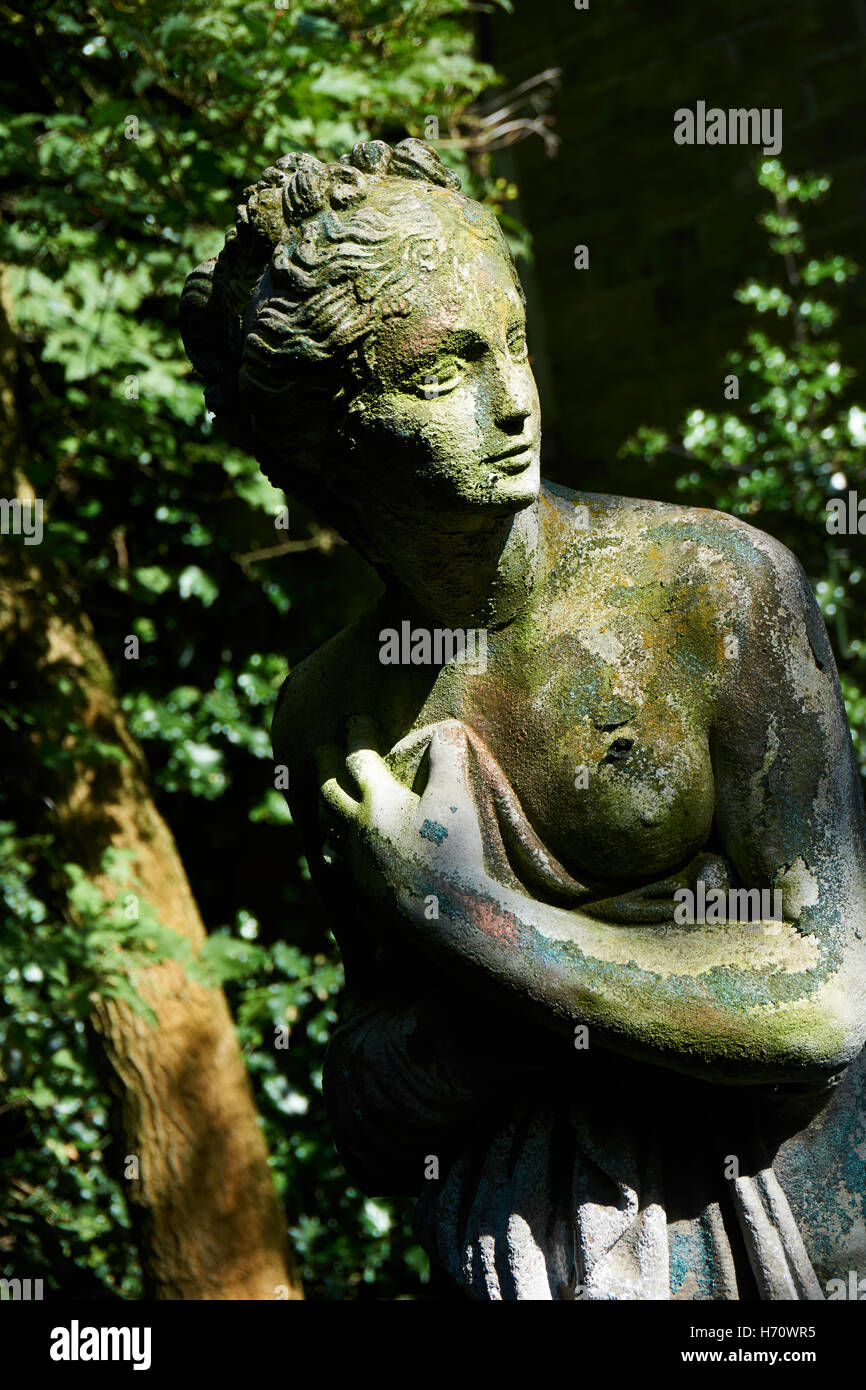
pixel 128 133
pixel 794 440
pixel 65 1218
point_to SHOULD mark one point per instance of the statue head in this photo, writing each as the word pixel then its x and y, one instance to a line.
pixel 362 335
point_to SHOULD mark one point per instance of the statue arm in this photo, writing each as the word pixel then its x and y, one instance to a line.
pixel 789 806
pixel 413 1052
pixel 772 1001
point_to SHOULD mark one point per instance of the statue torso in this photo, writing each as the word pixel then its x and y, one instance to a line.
pixel 597 703
pixel 596 700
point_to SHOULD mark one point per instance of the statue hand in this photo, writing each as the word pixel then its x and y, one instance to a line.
pixel 391 826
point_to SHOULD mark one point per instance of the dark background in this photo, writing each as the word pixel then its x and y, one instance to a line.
pixel 671 230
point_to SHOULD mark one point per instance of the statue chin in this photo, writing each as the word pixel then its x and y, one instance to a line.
pixel 503 496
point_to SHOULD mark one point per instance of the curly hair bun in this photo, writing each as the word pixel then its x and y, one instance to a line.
pixel 313 264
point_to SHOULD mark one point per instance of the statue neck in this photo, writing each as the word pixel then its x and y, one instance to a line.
pixel 474 576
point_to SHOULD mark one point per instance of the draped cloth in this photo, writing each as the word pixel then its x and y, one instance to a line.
pixel 602 1182
pixel 549 1212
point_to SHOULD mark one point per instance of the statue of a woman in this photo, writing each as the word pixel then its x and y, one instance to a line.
pixel 601 890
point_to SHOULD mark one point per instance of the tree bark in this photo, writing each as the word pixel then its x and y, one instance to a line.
pixel 209 1220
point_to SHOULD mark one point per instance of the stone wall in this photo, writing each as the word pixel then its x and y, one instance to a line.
pixel 639 337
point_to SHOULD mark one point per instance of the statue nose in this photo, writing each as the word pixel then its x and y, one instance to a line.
pixel 512 405
pixel 512 424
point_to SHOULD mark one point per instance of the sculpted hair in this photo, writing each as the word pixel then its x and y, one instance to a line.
pixel 278 323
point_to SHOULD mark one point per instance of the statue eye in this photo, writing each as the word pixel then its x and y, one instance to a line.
pixel 439 381
pixel 517 344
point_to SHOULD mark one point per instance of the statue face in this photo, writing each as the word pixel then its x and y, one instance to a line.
pixel 449 420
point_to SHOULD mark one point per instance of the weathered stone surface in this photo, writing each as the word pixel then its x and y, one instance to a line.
pixel 587 1090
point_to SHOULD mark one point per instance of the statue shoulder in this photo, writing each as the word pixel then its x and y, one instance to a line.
pixel 683 546
pixel 717 545
pixel 696 535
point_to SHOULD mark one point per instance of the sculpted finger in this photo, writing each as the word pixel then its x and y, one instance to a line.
pixel 370 771
pixel 329 766
pixel 449 761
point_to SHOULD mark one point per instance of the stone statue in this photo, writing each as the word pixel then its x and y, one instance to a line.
pixel 578 792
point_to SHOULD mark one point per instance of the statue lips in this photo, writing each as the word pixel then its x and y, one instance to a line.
pixel 514 460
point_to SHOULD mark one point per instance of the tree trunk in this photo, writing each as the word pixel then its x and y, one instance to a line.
pixel 210 1223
